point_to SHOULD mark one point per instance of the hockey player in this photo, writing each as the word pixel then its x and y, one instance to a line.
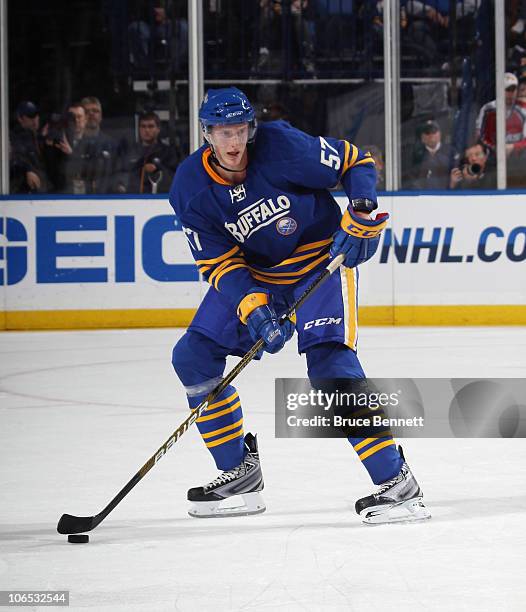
pixel 261 224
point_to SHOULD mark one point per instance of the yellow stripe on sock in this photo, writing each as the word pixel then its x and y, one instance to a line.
pixel 225 439
pixel 216 432
pixel 374 449
pixel 222 402
pixel 369 440
pixel 220 413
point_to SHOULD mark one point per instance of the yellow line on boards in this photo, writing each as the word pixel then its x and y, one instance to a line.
pixel 97 319
pixel 180 317
pixel 457 315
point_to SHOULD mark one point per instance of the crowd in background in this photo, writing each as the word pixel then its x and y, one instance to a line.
pixel 74 152
pixel 70 153
pixel 436 165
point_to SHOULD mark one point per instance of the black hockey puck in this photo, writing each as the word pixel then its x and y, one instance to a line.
pixel 78 538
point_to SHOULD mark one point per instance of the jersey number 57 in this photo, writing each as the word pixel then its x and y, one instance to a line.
pixel 329 155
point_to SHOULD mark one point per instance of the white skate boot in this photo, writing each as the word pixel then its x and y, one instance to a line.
pixel 245 480
pixel 397 500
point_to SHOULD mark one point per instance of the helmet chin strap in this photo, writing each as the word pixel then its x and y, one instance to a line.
pixel 218 163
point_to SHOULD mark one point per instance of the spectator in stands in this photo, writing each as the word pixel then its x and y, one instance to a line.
pixel 434 11
pixel 520 23
pixel 270 30
pixel 159 37
pixel 101 150
pixel 79 121
pixel 515 130
pixel 521 94
pixel 486 123
pixel 335 25
pixel 377 155
pixel 28 116
pixel 425 27
pixel 431 158
pixel 71 161
pixel 476 169
pixel 438 11
pixel 170 37
pixel 28 170
pixel 65 150
pixel 149 165
pixel 93 109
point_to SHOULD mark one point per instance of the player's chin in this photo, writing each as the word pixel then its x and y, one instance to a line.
pixel 233 161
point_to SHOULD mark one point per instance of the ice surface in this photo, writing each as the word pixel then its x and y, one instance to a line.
pixel 80 412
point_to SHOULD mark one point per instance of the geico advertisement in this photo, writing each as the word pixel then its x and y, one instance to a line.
pixel 133 253
pixel 90 254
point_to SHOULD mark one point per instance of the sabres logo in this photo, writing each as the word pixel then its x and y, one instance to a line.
pixel 286 226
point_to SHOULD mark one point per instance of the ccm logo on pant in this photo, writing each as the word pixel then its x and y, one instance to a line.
pixel 323 321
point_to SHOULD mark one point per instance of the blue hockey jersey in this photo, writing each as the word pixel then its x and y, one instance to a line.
pixel 277 225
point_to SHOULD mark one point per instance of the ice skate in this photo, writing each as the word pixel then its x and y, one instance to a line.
pixel 397 500
pixel 242 482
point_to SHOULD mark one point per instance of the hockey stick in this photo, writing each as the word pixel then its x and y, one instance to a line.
pixel 69 524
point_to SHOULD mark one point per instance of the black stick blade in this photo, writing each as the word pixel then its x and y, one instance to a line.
pixel 75 524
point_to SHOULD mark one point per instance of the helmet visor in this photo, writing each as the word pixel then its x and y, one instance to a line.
pixel 231 134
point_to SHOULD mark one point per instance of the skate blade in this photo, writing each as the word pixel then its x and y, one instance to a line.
pixel 408 511
pixel 253 504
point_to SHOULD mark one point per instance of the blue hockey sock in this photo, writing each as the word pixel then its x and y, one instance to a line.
pixel 378 454
pixel 221 427
pixel 199 362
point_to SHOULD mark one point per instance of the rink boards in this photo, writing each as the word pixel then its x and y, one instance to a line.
pixel 93 263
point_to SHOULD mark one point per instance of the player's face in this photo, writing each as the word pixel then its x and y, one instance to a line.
pixel 230 144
